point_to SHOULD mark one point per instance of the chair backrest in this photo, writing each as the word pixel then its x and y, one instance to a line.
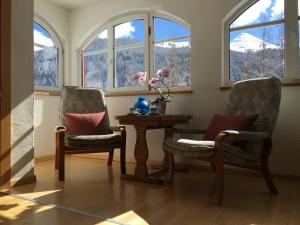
pixel 256 96
pixel 83 100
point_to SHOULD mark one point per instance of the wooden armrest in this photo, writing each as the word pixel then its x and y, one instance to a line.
pixel 118 128
pixel 246 135
pixel 60 129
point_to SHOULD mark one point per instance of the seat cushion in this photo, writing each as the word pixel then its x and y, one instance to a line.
pixel 93 141
pixel 202 149
pixel 189 148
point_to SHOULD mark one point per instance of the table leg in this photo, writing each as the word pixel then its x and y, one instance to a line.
pixel 141 152
pixel 164 167
pixel 141 156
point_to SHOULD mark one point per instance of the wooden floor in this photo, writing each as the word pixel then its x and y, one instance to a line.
pixel 92 187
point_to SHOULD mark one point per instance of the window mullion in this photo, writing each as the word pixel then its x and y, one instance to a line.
pixel 111 58
pixel 291 40
pixel 251 26
pixel 151 47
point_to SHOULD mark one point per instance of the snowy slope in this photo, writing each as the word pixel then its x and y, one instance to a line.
pixel 245 42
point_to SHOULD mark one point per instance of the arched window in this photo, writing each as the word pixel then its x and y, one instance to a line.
pixel 143 42
pixel 47 58
pixel 261 41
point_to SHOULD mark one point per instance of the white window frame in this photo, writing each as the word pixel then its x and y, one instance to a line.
pixel 111 77
pixel 290 21
pixel 57 42
pixel 152 42
pixel 147 16
pixel 86 44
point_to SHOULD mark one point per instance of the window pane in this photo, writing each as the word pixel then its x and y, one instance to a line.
pixel 261 11
pixel 100 42
pixel 45 58
pixel 95 62
pixel 175 55
pixel 257 52
pixel 95 70
pixel 165 29
pixel 129 33
pixel 128 62
pixel 129 52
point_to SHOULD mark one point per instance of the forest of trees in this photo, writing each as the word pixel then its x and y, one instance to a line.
pixel 131 60
pixel 255 64
pixel 45 66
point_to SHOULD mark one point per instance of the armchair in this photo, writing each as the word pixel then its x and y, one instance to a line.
pixel 82 101
pixel 249 97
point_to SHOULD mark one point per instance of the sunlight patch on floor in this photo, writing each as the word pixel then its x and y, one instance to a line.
pixel 35 195
pixel 11 208
pixel 131 218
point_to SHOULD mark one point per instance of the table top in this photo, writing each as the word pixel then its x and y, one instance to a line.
pixel 155 120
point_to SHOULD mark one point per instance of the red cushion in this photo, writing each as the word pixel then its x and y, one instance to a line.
pixel 221 122
pixel 84 124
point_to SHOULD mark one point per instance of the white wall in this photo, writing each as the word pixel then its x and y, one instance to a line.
pixel 46 107
pixel 205 18
pixel 22 89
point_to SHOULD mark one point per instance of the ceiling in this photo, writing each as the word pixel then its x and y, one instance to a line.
pixel 73 4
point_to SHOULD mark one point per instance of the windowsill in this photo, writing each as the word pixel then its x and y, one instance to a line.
pixel 284 84
pixel 181 90
pixel 47 93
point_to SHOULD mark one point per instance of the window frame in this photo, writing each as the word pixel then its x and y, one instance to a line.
pixel 86 44
pixel 172 18
pixel 54 37
pixel 147 16
pixel 292 73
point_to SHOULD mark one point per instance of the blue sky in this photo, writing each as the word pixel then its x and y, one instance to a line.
pixel 261 11
pixel 40 29
pixel 162 29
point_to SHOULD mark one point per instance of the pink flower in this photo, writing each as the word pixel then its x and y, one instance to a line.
pixel 154 81
pixel 140 76
pixel 162 72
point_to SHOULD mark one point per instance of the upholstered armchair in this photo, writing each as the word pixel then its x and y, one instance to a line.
pixel 259 97
pixel 79 101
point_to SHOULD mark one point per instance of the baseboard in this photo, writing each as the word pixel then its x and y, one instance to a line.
pixel 203 168
pixel 22 181
pixel 44 158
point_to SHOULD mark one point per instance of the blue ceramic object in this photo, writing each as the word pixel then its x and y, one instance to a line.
pixel 142 105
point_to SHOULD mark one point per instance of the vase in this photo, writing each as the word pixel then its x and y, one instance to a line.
pixel 161 107
pixel 142 105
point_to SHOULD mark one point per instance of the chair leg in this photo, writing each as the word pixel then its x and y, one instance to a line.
pixel 123 159
pixel 268 177
pixel 56 150
pixel 61 157
pixel 265 166
pixel 219 181
pixel 171 163
pixel 61 165
pixel 110 157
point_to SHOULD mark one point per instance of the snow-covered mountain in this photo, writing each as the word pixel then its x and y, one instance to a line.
pixel 245 42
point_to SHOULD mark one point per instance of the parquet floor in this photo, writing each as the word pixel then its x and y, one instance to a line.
pixel 91 187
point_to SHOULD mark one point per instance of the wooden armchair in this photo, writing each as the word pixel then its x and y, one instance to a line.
pixel 81 100
pixel 249 97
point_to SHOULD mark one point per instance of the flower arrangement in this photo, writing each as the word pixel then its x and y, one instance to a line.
pixel 157 82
